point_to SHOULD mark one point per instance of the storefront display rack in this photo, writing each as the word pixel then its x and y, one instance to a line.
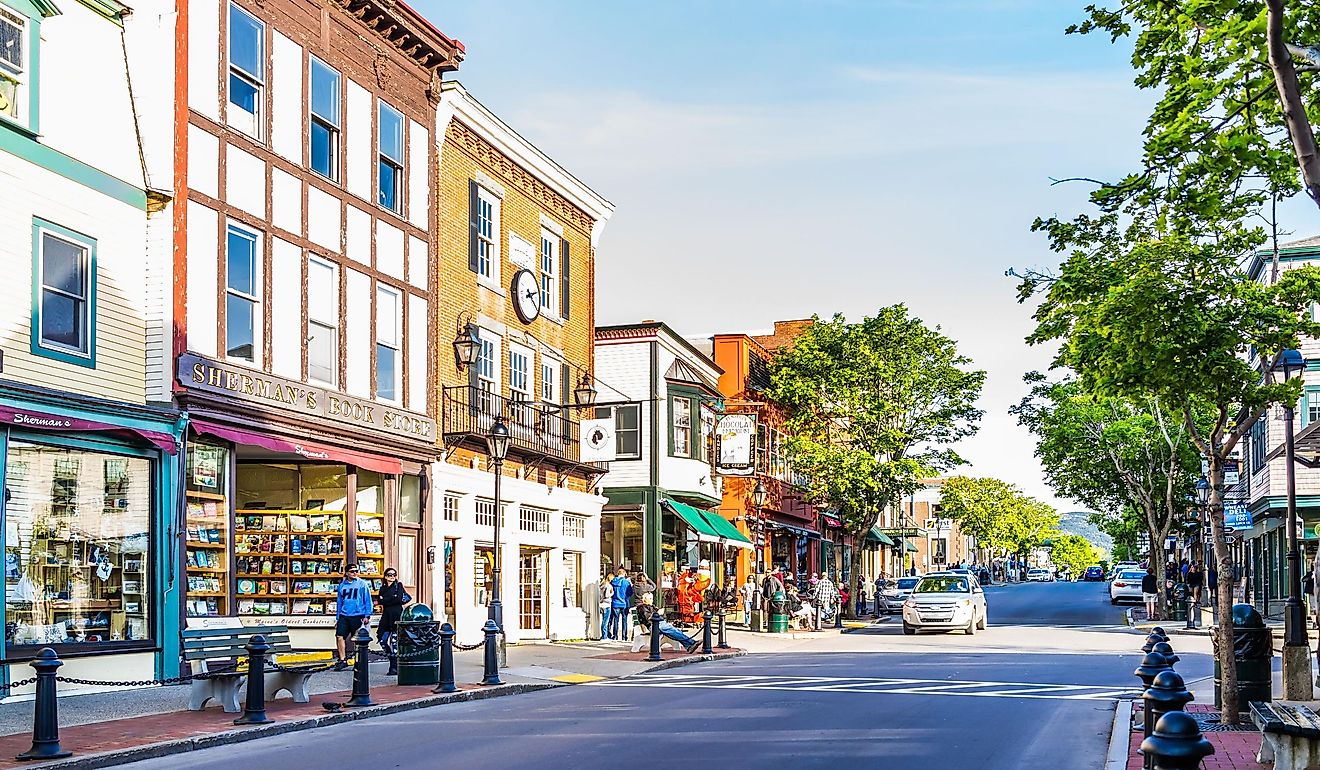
pixel 207 554
pixel 288 562
pixel 369 542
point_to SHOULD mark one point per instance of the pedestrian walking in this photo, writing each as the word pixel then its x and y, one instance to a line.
pixel 1195 580
pixel 865 593
pixel 606 602
pixel 352 611
pixel 748 594
pixel 845 596
pixel 392 598
pixel 620 602
pixel 1150 587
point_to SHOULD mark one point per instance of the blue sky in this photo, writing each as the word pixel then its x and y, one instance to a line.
pixel 770 160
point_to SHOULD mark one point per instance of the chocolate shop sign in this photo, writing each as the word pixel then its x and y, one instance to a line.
pixel 197 373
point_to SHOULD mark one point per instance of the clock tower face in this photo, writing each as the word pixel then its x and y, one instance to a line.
pixel 526 295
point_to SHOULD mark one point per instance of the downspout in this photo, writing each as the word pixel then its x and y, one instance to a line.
pixel 653 501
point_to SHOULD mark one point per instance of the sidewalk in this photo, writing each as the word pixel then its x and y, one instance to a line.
pixel 155 722
pixel 1234 749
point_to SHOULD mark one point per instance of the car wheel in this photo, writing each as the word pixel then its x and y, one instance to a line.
pixel 1113 602
pixel 971 626
pixel 984 622
pixel 908 630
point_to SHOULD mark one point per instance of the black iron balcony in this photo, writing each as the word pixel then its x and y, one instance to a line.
pixel 538 431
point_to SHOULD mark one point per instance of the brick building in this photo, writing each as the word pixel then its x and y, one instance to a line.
pixel 516 248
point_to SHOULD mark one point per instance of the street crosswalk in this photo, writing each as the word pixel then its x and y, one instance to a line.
pixel 879 686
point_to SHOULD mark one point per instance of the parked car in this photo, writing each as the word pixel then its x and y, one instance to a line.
pixel 1093 574
pixel 945 603
pixel 1126 585
pixel 898 592
pixel 1039 575
pixel 1122 566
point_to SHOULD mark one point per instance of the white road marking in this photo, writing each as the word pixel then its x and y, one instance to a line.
pixel 877 685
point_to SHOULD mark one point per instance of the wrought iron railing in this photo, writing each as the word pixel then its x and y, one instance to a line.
pixel 542 430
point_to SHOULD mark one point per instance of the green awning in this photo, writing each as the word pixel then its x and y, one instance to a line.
pixel 725 529
pixel 876 536
pixel 695 520
pixel 910 548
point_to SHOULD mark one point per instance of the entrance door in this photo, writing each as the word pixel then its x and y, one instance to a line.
pixel 531 592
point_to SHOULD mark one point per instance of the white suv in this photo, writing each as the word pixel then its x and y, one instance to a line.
pixel 946 602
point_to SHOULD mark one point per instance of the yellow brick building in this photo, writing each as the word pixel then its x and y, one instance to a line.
pixel 516 245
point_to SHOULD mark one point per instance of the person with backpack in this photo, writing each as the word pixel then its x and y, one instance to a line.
pixel 620 603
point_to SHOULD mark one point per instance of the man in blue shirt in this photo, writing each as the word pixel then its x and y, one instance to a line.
pixel 352 609
pixel 620 624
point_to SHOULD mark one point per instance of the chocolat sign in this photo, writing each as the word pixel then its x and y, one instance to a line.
pixel 197 373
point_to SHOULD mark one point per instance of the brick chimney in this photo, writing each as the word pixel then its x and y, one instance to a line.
pixel 784 334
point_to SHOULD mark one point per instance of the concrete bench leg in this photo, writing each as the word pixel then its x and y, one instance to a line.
pixel 1266 754
pixel 285 681
pixel 225 690
pixel 644 640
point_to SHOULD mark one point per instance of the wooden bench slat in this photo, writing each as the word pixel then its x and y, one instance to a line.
pixel 232 641
pixel 191 633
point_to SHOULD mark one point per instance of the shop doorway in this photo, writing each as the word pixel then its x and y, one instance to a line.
pixel 449 607
pixel 622 542
pixel 531 592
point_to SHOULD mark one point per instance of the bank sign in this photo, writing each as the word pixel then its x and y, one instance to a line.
pixel 197 373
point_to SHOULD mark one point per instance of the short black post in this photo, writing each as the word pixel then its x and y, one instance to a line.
pixel 254 708
pixel 724 638
pixel 706 647
pixel 491 675
pixel 1167 692
pixel 1176 743
pixel 1153 639
pixel 1187 609
pixel 446 660
pixel 46 722
pixel 361 670
pixel 656 618
pixel 1151 665
pixel 838 615
pixel 1166 649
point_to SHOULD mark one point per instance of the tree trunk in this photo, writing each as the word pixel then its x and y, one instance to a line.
pixel 1290 99
pixel 1224 600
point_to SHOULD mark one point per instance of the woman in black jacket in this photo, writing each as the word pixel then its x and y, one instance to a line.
pixel 392 597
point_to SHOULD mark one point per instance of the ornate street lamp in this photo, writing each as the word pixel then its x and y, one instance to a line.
pixel 1296 656
pixel 758 500
pixel 584 394
pixel 466 345
pixel 497 442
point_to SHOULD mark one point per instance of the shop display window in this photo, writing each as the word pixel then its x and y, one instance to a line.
pixel 77 546
pixel 484 577
pixel 369 527
pixel 207 539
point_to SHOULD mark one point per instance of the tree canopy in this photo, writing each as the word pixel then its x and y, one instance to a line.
pixel 998 514
pixel 1074 553
pixel 871 409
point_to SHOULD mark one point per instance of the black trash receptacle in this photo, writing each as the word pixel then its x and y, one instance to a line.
pixel 1177 597
pixel 418 646
pixel 778 613
pixel 1252 651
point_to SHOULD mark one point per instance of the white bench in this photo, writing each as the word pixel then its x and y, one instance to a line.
pixel 642 638
pixel 222 646
pixel 1290 735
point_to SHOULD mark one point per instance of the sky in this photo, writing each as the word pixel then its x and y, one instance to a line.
pixel 771 160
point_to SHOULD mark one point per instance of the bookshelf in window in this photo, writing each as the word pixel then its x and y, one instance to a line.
pixel 206 549
pixel 288 562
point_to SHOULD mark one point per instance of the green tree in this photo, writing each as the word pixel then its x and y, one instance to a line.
pixel 1178 321
pixel 997 514
pixel 1113 453
pixel 1125 527
pixel 1074 553
pixel 871 409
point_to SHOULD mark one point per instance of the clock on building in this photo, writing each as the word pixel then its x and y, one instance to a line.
pixel 526 295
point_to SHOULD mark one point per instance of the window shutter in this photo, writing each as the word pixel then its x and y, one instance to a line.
pixel 563 278
pixel 474 223
pixel 565 393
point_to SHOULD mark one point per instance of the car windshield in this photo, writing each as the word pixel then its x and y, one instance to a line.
pixel 1131 575
pixel 940 585
pixel 906 584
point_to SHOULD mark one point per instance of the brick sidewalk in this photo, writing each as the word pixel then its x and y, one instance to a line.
pixel 1233 750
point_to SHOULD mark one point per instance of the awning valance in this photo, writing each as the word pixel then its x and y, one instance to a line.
pixel 876 536
pixel 725 529
pixel 387 465
pixel 799 531
pixel 694 520
pixel 910 548
pixel 26 418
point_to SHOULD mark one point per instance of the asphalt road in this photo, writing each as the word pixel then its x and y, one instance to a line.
pixel 1014 696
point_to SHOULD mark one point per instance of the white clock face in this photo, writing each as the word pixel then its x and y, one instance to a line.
pixel 526 295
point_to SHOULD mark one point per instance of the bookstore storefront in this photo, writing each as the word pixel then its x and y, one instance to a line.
pixel 89 486
pixel 278 504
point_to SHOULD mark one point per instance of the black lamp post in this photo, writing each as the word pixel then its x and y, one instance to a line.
pixel 497 442
pixel 1290 364
pixel 758 500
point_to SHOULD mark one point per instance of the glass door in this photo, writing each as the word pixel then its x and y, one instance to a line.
pixel 531 592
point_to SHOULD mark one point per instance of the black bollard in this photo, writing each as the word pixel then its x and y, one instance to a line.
pixel 1153 639
pixel 361 670
pixel 254 708
pixel 1166 649
pixel 446 660
pixel 1151 665
pixel 1167 692
pixel 838 616
pixel 1160 630
pixel 724 639
pixel 656 617
pixel 46 714
pixel 491 675
pixel 706 648
pixel 1177 743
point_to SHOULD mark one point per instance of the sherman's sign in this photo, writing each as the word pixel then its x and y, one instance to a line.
pixel 197 373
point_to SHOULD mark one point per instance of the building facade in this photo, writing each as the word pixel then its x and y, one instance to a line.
pixel 516 249
pixel 90 465
pixel 305 316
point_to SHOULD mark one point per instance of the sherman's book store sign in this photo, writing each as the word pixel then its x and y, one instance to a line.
pixel 287 483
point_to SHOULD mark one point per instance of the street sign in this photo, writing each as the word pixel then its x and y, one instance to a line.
pixel 1231 473
pixel 904 532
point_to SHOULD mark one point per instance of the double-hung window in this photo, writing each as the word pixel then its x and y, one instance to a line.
pixel 627 429
pixel 324 127
pixel 389 180
pixel 681 426
pixel 322 322
pixel 484 238
pixel 65 272
pixel 13 39
pixel 387 343
pixel 550 382
pixel 549 264
pixel 487 375
pixel 520 386
pixel 247 72
pixel 243 282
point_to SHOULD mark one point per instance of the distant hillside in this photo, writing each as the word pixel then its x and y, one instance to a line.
pixel 1075 523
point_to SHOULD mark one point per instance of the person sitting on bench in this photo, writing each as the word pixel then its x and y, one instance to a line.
pixel 646 610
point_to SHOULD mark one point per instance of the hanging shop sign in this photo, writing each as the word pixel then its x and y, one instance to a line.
pixel 735 440
pixel 1237 516
pixel 1232 473
pixel 225 379
pixel 598 440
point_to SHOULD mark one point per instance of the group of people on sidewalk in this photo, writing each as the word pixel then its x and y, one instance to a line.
pixel 1186 573
pixel 353 610
pixel 625 598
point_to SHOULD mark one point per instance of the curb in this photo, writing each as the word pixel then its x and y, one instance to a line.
pixel 229 737
pixel 678 662
pixel 1120 736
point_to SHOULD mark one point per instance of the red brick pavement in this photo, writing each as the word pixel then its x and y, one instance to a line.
pixel 156 728
pixel 1233 750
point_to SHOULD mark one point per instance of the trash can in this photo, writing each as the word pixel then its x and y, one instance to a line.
pixel 1177 601
pixel 778 613
pixel 1252 651
pixel 418 646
